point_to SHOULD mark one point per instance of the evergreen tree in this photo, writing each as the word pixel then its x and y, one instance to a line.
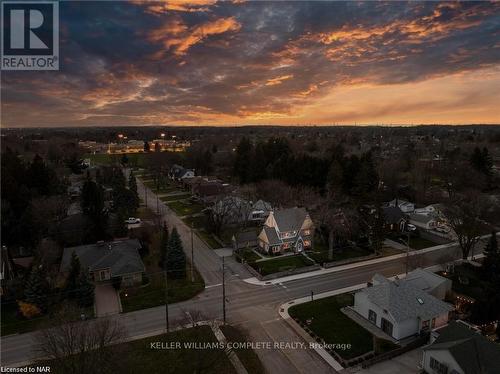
pixel 35 289
pixel 132 186
pixel 147 147
pixel 85 291
pixel 73 280
pixel 243 160
pixel 481 161
pixel 491 264
pixel 176 259
pixel 164 246
pixel 92 202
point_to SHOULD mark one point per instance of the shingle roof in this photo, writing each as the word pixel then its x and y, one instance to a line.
pixel 290 219
pixel 405 301
pixel 393 214
pixel 122 257
pixel 473 352
pixel 424 279
pixel 246 236
pixel 423 218
pixel 272 236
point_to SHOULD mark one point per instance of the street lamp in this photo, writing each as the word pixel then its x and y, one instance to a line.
pixel 409 229
pixel 162 140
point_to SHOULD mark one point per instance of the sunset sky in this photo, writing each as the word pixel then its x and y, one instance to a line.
pixel 245 62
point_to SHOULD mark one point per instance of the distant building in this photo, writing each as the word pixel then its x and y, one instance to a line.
pixel 178 173
pixel 394 219
pixel 105 261
pixel 405 206
pixel 460 349
pixel 246 239
pixel 287 230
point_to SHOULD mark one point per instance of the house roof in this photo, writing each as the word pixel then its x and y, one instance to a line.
pixel 422 218
pixel 473 352
pixel 393 214
pixel 246 236
pixel 262 205
pixel 121 256
pixel 425 280
pixel 405 301
pixel 272 235
pixel 290 219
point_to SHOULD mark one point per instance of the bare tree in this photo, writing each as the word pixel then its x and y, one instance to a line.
pixel 464 214
pixel 82 346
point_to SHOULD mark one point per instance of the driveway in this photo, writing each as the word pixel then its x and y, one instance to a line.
pixel 107 301
pixel 407 363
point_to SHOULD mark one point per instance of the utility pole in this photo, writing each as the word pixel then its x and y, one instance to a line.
pixel 408 253
pixel 192 254
pixel 223 292
pixel 157 205
pixel 166 298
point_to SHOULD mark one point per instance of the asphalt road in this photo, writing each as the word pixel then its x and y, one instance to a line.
pixel 254 308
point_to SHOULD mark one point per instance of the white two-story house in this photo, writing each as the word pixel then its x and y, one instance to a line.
pixel 286 230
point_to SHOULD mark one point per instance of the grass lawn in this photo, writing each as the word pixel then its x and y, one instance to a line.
pixel 328 322
pixel 248 255
pixel 280 264
pixel 208 238
pixel 150 183
pixel 322 256
pixel 145 213
pixel 466 281
pixel 198 222
pixel 175 197
pixel 248 357
pixel 184 208
pixel 153 355
pixel 153 294
pixel 14 323
pixel 420 243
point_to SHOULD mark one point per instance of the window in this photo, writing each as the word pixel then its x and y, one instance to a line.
pixel 307 232
pixel 438 367
pixel 433 323
pixel 372 316
pixel 425 325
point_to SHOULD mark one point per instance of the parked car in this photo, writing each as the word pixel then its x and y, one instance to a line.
pixel 132 220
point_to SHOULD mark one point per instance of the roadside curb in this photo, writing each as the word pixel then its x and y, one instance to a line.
pixel 323 271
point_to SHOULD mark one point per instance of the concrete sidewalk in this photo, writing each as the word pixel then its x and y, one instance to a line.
pixel 359 264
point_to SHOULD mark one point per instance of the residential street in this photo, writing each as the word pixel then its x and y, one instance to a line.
pixel 255 308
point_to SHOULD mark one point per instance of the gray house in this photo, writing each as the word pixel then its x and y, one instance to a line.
pixel 430 282
pixel 400 308
pixel 104 261
pixel 460 349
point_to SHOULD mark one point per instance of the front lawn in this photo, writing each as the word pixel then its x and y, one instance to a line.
pixel 171 198
pixel 172 353
pixel 327 321
pixel 208 239
pixel 153 293
pixel 281 264
pixel 248 255
pixel 339 254
pixel 14 323
pixel 247 356
pixel 182 208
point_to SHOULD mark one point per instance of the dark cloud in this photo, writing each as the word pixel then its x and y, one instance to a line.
pixel 138 62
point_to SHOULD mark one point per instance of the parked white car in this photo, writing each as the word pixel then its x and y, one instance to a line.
pixel 132 220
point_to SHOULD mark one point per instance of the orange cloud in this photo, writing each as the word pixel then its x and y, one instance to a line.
pixel 177 36
pixel 177 6
pixel 278 80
